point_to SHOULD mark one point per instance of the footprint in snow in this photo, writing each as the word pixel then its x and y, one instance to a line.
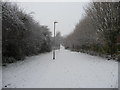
pixel 7 85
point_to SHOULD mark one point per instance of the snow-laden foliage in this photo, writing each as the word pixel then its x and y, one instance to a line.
pixel 106 18
pixel 98 31
pixel 22 35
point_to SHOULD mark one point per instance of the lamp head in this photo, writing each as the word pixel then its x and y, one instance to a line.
pixel 55 22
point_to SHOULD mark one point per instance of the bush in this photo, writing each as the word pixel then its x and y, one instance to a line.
pixel 22 35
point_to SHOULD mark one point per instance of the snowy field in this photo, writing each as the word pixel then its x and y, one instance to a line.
pixel 68 70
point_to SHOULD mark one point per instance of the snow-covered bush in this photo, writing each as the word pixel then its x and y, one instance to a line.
pixel 22 35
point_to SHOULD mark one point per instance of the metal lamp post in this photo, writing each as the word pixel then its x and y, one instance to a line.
pixel 54 41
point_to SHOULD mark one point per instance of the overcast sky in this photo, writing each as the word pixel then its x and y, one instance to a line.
pixel 67 14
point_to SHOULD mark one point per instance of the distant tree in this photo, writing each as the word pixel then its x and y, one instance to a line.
pixel 84 35
pixel 58 40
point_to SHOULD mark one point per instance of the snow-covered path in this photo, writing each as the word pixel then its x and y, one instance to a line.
pixel 68 70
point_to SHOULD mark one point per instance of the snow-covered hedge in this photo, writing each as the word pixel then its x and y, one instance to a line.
pixel 22 35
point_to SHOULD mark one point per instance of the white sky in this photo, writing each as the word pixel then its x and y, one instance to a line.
pixel 67 14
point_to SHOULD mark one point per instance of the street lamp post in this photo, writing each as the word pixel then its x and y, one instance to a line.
pixel 54 41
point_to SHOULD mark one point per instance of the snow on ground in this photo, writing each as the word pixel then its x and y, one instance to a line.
pixel 68 70
pixel 0 77
pixel 119 76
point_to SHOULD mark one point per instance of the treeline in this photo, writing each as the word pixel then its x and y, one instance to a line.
pixel 97 33
pixel 21 35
